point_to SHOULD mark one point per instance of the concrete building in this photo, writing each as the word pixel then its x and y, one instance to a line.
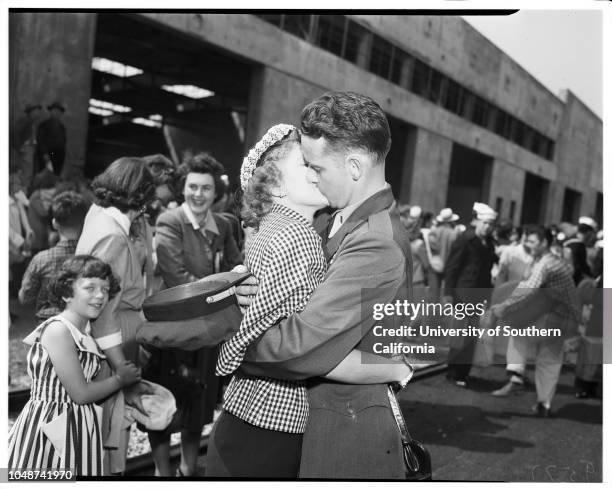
pixel 468 123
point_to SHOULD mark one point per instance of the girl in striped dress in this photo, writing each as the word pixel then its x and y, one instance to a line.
pixel 59 427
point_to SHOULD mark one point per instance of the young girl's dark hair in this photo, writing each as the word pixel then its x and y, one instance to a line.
pixel 80 266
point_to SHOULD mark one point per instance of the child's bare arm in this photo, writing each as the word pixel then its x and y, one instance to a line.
pixel 58 342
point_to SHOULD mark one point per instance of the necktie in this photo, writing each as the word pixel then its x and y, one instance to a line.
pixel 336 222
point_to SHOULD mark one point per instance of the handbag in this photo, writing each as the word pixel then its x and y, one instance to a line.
pixel 417 460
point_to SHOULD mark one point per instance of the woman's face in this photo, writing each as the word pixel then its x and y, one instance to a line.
pixel 199 192
pixel 300 191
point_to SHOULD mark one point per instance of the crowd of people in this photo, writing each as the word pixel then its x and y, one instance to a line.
pixel 488 260
pixel 299 368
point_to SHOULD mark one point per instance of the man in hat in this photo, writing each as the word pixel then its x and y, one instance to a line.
pixel 23 143
pixel 440 239
pixel 587 233
pixel 51 138
pixel 468 280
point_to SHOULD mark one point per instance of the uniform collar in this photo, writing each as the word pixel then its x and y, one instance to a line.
pixel 383 199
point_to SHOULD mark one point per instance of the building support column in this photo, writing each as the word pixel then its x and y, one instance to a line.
pixel 50 59
pixel 507 183
pixel 275 98
pixel 428 181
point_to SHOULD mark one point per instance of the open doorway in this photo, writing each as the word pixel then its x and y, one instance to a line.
pixel 155 90
pixel 469 180
pixel 400 160
pixel 535 194
pixel 599 209
pixel 571 205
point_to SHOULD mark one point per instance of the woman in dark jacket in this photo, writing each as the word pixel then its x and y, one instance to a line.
pixel 191 243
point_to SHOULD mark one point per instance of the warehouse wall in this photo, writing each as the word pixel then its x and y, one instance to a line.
pixel 50 59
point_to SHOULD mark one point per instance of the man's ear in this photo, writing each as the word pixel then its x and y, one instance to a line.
pixel 355 166
pixel 54 224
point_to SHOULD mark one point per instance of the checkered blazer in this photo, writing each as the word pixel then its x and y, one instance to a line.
pixel 287 258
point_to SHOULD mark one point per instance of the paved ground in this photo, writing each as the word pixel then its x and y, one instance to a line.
pixel 474 436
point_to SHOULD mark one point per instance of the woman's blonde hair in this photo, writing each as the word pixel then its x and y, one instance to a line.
pixel 257 198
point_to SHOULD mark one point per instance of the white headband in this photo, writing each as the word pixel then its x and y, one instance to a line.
pixel 274 134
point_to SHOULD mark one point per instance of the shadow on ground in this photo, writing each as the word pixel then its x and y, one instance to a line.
pixel 469 428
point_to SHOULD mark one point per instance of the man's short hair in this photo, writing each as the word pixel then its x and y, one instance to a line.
pixel 542 232
pixel 504 230
pixel 69 209
pixel 348 120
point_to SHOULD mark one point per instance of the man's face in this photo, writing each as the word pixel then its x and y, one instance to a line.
pixel 484 227
pixel 327 170
pixel 534 246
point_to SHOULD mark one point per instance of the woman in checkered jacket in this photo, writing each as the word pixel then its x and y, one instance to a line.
pixel 259 433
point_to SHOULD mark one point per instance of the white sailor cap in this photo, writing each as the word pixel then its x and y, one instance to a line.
pixel 589 221
pixel 416 211
pixel 484 212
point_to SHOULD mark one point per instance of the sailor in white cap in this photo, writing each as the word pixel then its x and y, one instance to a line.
pixel 589 221
pixel 416 211
pixel 587 233
pixel 483 212
pixel 467 277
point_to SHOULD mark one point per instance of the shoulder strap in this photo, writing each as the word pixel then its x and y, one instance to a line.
pixel 399 417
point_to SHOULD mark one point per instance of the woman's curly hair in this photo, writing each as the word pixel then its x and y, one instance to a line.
pixel 126 184
pixel 74 268
pixel 257 199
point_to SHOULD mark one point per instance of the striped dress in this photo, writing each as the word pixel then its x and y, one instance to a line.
pixel 52 431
